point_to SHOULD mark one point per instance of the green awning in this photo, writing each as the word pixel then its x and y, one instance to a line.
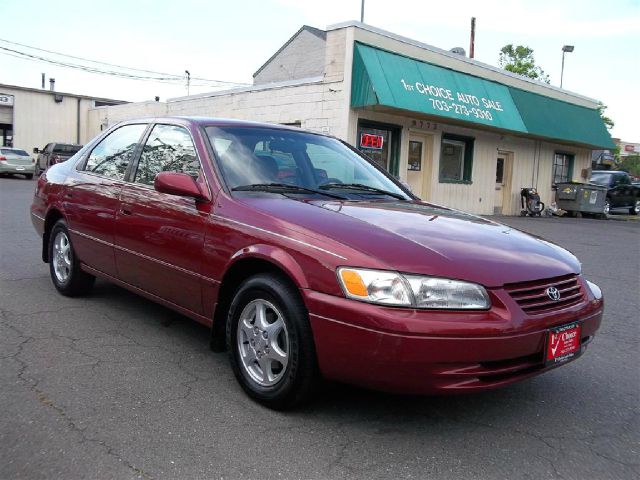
pixel 392 80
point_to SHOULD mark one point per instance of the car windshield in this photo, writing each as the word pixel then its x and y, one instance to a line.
pixel 273 159
pixel 13 151
pixel 601 178
pixel 66 149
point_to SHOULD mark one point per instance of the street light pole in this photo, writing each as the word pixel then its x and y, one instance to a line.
pixel 362 12
pixel 565 49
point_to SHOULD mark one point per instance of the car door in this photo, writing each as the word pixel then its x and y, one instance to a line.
pixel 626 191
pixel 42 157
pixel 91 196
pixel 160 237
pixel 616 191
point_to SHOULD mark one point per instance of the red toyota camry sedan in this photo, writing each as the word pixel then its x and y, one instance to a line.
pixel 308 261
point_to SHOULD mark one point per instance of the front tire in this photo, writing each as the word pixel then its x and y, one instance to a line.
pixel 636 208
pixel 64 267
pixel 270 342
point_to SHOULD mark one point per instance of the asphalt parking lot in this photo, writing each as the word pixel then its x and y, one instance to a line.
pixel 113 386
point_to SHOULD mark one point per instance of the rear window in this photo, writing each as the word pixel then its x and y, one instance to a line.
pixel 12 151
pixel 66 149
pixel 601 178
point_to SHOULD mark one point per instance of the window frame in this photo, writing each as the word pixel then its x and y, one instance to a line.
pixel 571 159
pixel 394 144
pixel 467 160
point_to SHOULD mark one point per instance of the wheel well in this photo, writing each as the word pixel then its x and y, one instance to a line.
pixel 232 279
pixel 52 217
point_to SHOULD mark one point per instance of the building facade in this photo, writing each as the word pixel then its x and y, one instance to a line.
pixel 461 133
pixel 31 117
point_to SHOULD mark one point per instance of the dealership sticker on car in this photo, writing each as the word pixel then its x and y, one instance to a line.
pixel 563 343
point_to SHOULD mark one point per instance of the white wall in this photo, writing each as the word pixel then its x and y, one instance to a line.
pixel 38 119
pixel 301 58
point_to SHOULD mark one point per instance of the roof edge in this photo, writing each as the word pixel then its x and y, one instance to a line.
pixel 56 92
pixel 251 88
pixel 322 34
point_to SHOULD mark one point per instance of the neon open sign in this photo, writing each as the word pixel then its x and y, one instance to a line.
pixel 367 140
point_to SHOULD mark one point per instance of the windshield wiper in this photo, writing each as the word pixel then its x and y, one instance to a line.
pixel 275 187
pixel 362 187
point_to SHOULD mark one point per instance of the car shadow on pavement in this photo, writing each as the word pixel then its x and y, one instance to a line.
pixel 333 401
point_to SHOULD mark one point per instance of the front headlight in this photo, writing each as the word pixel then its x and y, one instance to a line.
pixel 392 288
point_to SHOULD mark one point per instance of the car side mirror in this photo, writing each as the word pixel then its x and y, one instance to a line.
pixel 36 150
pixel 175 183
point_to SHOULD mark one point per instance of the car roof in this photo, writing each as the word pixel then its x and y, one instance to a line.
pixel 215 122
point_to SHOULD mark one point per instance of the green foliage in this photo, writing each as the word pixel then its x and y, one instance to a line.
pixel 606 120
pixel 631 164
pixel 519 59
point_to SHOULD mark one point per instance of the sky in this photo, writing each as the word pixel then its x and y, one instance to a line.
pixel 229 40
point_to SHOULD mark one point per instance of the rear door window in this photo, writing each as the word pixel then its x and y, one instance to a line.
pixel 112 155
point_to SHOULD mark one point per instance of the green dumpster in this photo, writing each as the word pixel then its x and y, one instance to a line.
pixel 578 198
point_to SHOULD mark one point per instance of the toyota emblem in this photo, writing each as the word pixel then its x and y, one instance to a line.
pixel 553 293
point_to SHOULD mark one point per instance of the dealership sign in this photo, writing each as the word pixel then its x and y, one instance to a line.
pixel 6 100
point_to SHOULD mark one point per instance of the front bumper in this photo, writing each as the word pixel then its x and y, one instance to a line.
pixel 427 352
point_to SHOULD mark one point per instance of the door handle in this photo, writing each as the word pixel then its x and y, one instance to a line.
pixel 125 211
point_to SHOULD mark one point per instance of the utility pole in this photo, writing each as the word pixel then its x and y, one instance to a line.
pixel 472 42
pixel 188 80
pixel 362 12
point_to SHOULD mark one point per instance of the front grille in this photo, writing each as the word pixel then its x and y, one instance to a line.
pixel 533 299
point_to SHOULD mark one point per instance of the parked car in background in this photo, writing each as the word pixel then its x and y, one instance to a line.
pixel 309 261
pixel 54 153
pixel 16 161
pixel 621 193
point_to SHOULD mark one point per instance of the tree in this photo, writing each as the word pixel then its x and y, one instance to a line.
pixel 606 120
pixel 519 59
pixel 631 164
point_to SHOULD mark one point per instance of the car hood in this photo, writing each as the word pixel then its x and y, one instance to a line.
pixel 417 237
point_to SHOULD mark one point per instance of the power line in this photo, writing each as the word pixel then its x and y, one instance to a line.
pixel 159 76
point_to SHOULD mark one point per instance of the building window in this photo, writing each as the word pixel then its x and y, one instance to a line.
pixel 381 143
pixel 562 167
pixel 456 159
pixel 415 156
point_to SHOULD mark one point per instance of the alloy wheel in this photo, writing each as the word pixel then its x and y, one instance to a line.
pixel 62 262
pixel 263 342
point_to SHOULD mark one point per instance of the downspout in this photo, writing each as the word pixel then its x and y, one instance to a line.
pixel 538 163
pixel 78 123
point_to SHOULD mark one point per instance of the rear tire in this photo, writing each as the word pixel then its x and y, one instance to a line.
pixel 64 267
pixel 270 342
pixel 29 176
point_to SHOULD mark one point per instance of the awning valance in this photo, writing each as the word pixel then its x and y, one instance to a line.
pixel 392 80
